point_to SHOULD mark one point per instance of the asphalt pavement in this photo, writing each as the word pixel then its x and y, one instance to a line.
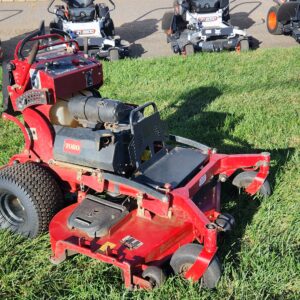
pixel 139 22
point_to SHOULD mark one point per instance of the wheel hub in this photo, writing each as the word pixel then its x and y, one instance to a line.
pixel 272 21
pixel 11 208
pixel 184 268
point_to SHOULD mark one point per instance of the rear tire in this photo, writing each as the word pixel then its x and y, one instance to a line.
pixel 114 55
pixel 29 198
pixel 273 25
pixel 186 256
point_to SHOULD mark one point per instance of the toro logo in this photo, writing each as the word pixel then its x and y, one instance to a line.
pixel 72 146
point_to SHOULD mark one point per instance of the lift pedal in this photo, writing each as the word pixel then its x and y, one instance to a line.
pixel 95 216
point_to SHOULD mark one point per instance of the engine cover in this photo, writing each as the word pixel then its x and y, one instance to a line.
pixel 208 6
pixel 99 149
pixel 84 14
pixel 89 110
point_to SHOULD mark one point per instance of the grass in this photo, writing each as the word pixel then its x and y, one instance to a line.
pixel 237 103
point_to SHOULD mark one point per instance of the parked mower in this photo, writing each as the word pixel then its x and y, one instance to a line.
pixel 202 25
pixel 135 207
pixel 91 25
pixel 284 18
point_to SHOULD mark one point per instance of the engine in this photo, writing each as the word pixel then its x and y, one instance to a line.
pixel 93 132
pixel 79 3
pixel 87 130
pixel 207 6
pixel 85 11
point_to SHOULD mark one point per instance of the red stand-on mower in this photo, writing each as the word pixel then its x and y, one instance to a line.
pixel 284 18
pixel 143 200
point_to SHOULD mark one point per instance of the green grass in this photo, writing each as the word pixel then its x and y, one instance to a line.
pixel 237 103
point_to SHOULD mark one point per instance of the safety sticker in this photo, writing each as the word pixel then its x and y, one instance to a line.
pixel 131 243
pixel 107 246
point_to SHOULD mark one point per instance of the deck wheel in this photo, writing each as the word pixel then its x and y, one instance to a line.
pixel 114 55
pixel 242 46
pixel 189 50
pixel 244 179
pixel 185 257
pixel 155 276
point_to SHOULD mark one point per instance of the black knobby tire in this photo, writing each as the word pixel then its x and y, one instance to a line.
pixel 186 256
pixel 29 198
pixel 244 179
pixel 155 275
pixel 114 55
pixel 273 25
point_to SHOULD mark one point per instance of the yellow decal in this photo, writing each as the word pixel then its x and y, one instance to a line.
pixel 106 246
pixel 146 155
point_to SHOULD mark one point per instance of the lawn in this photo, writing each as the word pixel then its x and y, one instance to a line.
pixel 243 103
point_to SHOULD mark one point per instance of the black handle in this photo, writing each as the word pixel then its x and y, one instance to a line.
pixel 25 41
pixel 113 4
pixel 48 9
pixel 33 53
pixel 141 109
pixel 41 31
pixel 62 33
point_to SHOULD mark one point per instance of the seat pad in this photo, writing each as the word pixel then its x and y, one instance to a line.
pixel 174 167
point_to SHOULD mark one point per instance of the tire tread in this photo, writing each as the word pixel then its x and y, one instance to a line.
pixel 40 187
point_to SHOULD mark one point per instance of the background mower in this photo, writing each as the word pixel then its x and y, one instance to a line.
pixel 284 18
pixel 91 25
pixel 134 207
pixel 202 25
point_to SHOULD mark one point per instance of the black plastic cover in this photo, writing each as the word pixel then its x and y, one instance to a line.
pixel 95 216
pixel 287 11
pixel 207 6
pixel 100 149
pixel 174 167
pixel 78 3
pixel 147 133
pixel 82 14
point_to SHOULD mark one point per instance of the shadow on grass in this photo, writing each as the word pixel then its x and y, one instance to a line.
pixel 193 121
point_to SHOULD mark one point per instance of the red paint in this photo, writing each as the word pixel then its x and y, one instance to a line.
pixel 162 227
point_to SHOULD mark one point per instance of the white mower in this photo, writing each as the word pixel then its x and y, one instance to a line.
pixel 203 25
pixel 92 27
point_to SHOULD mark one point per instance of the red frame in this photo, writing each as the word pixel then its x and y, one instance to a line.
pixel 162 226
